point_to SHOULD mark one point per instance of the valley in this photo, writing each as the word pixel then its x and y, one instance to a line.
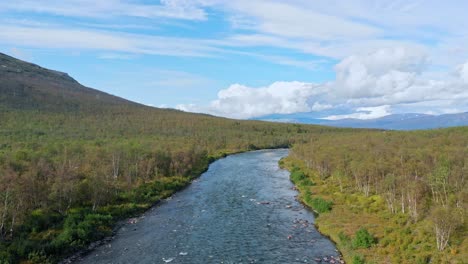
pixel 75 161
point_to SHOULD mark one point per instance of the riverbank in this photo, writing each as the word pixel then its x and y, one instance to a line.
pixel 394 237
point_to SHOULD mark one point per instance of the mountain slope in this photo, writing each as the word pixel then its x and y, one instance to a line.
pixel 28 86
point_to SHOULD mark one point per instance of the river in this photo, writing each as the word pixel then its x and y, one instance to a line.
pixel 242 210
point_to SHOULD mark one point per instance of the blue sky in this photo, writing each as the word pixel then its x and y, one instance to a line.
pixel 245 59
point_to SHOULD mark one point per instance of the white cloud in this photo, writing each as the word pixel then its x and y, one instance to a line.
pixel 298 21
pixel 364 113
pixel 380 73
pixel 331 28
pixel 317 107
pixel 382 60
pixel 176 9
pixel 337 29
pixel 239 101
pixel 68 38
pixel 371 85
pixel 392 77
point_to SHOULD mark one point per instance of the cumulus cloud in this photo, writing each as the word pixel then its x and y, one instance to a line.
pixel 394 76
pixel 367 85
pixel 379 73
pixel 240 101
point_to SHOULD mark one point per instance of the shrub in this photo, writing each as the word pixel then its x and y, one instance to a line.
pixel 297 175
pixel 363 239
pixel 320 205
pixel 79 230
pixel 38 257
pixel 300 178
pixel 40 220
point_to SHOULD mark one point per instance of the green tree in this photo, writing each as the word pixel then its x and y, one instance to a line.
pixel 363 239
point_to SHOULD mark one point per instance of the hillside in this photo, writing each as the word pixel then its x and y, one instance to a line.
pixel 29 86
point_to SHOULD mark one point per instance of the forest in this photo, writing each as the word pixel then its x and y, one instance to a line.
pixel 408 190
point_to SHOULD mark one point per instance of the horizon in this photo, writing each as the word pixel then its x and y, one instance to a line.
pixel 248 60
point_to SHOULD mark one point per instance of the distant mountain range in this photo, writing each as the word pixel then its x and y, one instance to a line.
pixel 410 121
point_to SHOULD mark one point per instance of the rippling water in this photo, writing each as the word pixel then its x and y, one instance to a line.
pixel 242 210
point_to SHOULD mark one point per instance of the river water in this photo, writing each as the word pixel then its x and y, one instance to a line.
pixel 242 210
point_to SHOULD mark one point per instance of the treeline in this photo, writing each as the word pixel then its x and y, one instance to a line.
pixel 417 175
pixel 66 178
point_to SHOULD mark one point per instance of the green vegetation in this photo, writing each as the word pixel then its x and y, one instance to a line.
pixel 358 259
pixel 398 197
pixel 66 179
pixel 299 178
pixel 320 205
pixel 363 239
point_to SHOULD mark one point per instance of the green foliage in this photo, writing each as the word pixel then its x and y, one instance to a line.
pixel 38 257
pixel 41 220
pixel 363 239
pixel 358 259
pixel 80 228
pixel 297 175
pixel 320 205
pixel 300 178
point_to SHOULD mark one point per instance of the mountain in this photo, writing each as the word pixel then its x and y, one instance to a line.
pixel 28 86
pixel 408 121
